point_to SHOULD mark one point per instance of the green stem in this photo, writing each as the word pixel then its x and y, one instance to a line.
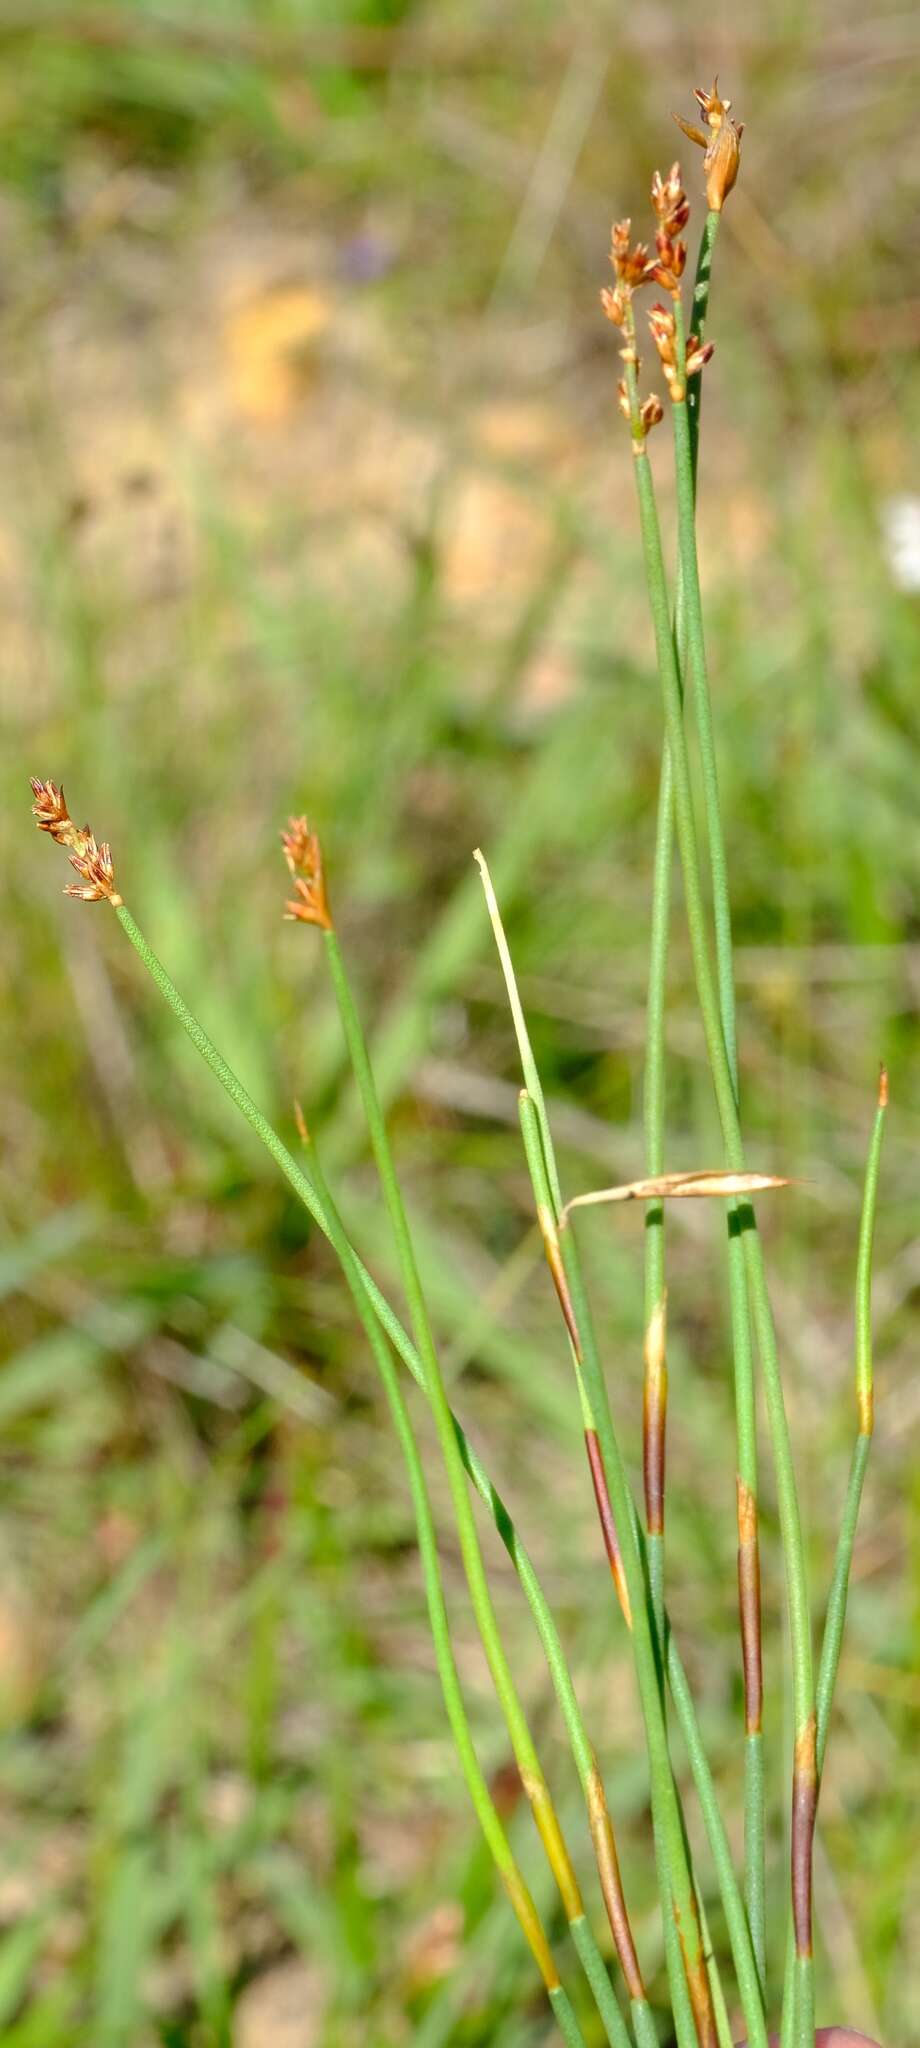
pixel 567 1276
pixel 505 1526
pixel 528 1762
pixel 790 1524
pixel 483 1803
pixel 683 1969
pixel 654 1079
pixel 655 1391
pixel 692 649
pixel 835 1617
pixel 592 1387
pixel 390 1323
pixel 674 1873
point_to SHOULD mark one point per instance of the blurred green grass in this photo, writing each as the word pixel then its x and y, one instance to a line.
pixel 315 497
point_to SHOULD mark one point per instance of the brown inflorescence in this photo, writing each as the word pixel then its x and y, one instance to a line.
pixel 722 144
pixel 92 861
pixel 633 266
pixel 663 329
pixel 302 851
pixel 673 212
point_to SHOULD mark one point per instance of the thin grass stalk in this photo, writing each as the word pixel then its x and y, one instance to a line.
pixel 804 1774
pixel 655 1395
pixel 692 646
pixel 565 1278
pixel 610 1879
pixel 486 1812
pixel 476 1470
pixel 530 1769
pixel 389 1322
pixel 733 1905
pixel 835 1617
pixel 655 1390
pixel 686 1971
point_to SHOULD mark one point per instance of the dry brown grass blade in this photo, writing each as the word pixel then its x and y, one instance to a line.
pixel 674 1186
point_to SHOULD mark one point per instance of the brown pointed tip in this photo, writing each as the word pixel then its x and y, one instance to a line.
pixel 301 1123
pixel 883 1087
pixel 690 129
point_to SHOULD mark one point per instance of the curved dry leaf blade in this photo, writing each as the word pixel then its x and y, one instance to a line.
pixel 675 1186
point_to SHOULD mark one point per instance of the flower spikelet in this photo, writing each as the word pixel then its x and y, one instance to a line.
pixel 673 210
pixel 303 854
pixel 92 862
pixel 663 327
pixel 631 261
pixel 51 815
pixel 94 865
pixel 722 144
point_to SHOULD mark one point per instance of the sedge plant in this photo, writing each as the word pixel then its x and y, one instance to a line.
pixel 613 2003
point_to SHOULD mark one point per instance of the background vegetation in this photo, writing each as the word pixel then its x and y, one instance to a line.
pixel 314 498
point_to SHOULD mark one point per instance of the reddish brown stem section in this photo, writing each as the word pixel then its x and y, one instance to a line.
pixel 804 1808
pixel 653 1455
pixel 612 1887
pixel 749 1608
pixel 654 1420
pixel 608 1526
pixel 698 1987
pixel 557 1269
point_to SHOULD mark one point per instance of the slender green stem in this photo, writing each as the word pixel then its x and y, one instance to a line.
pixel 835 1617
pixel 469 1461
pixel 656 1382
pixel 529 1766
pixel 790 1524
pixel 699 308
pixel 505 1526
pixel 484 1805
pixel 692 651
pixel 596 1396
pixel 566 1276
pixel 654 1078
pixel 565 2018
pixel 565 1265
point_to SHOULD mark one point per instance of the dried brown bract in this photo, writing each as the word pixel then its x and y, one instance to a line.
pixel 722 144
pixel 302 851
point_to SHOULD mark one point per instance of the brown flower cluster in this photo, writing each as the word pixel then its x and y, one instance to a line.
pixel 663 329
pixel 633 267
pixel 301 848
pixel 722 144
pixel 672 208
pixel 92 861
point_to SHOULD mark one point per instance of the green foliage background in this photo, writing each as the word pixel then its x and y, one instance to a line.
pixel 315 497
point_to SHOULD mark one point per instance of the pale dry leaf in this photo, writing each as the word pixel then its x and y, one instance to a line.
pixel 680 1186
